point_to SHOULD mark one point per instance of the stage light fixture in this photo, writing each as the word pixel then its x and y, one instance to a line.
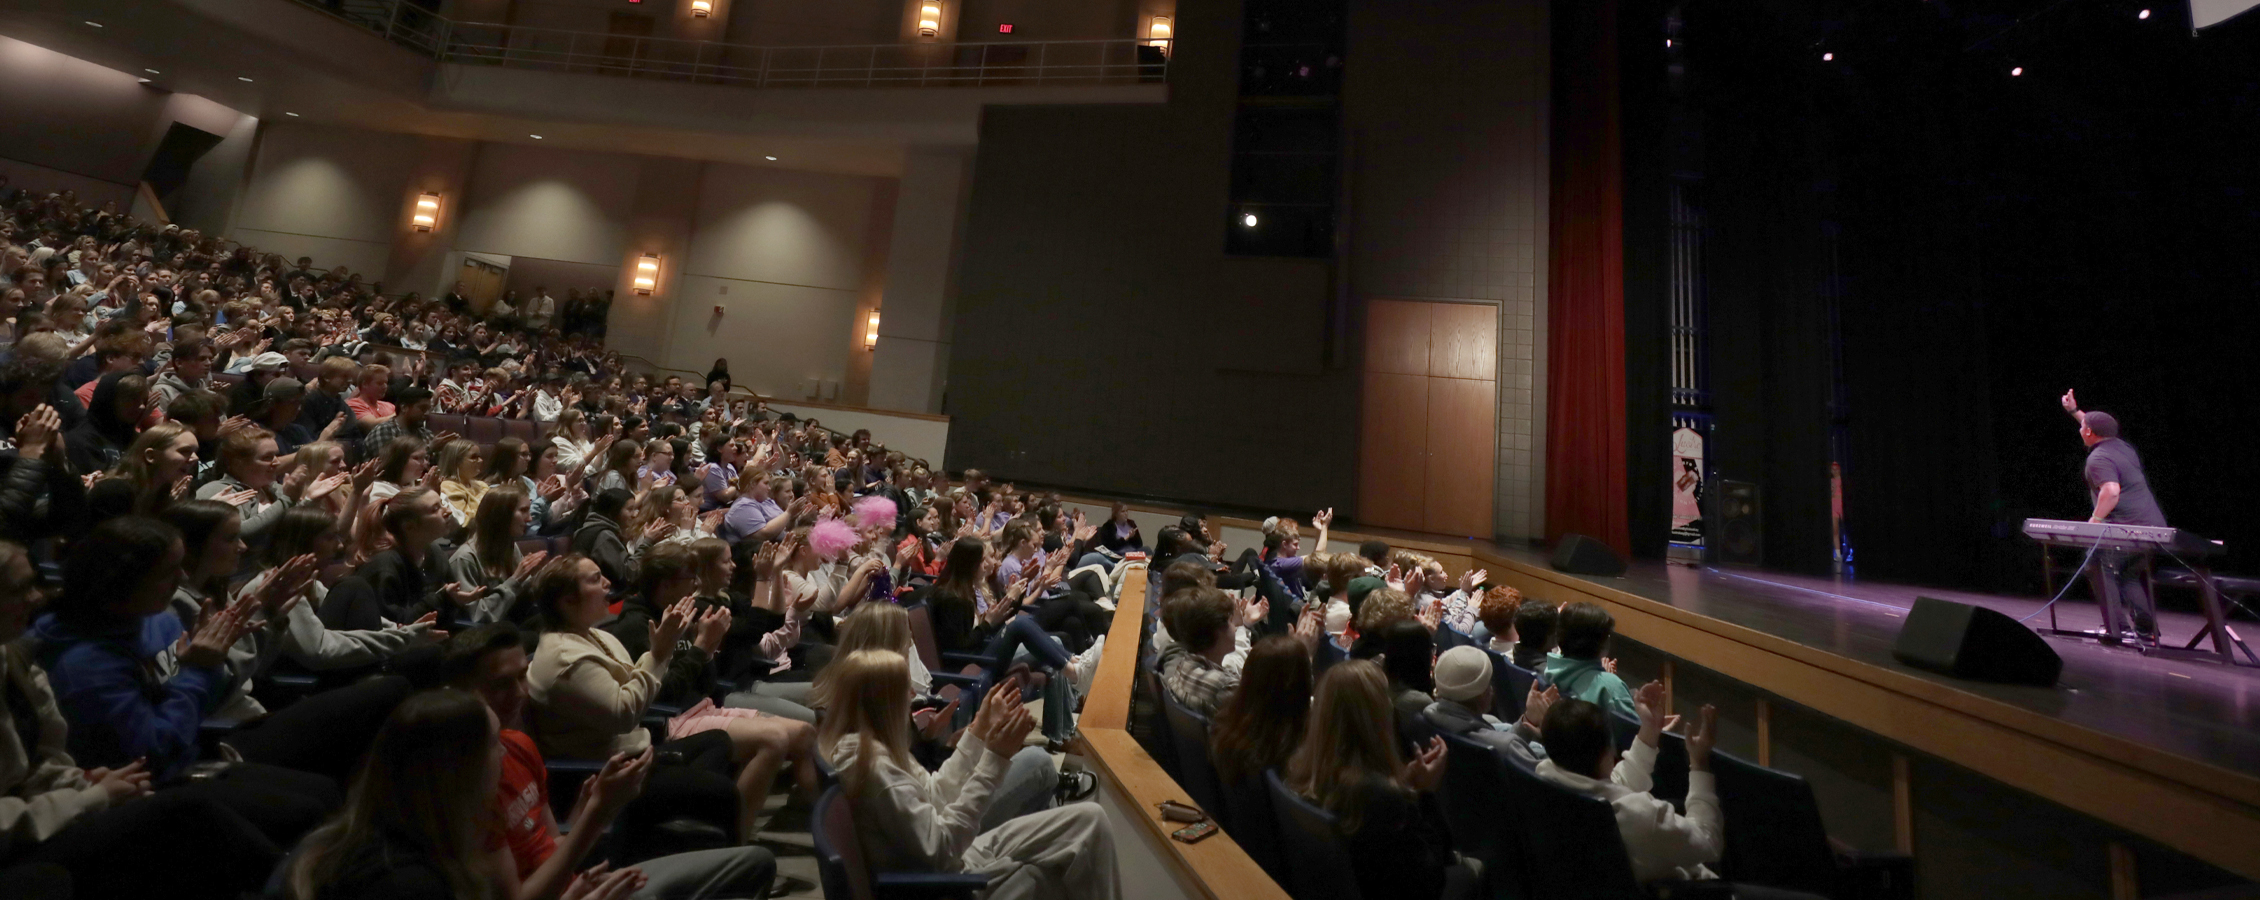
pixel 702 8
pixel 2016 72
pixel 93 23
pixel 142 81
pixel 534 136
pixel 1667 42
pixel 2143 14
pixel 770 158
pixel 153 71
pixel 426 216
pixel 1160 32
pixel 929 19
pixel 1828 57
pixel 291 114
pixel 246 79
pixel 871 332
pixel 647 273
pixel 1248 220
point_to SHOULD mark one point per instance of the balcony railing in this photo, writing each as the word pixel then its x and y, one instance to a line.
pixel 998 64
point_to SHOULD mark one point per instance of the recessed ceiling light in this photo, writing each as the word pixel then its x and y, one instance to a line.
pixel 534 136
pixel 153 71
pixel 94 23
pixel 142 80
pixel 770 158
pixel 291 114
pixel 243 78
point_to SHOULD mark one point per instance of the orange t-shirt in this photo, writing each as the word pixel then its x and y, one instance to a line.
pixel 520 799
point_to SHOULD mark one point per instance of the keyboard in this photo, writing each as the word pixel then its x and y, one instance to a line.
pixel 2130 538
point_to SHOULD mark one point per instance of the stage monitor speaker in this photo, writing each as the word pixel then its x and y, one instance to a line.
pixel 1733 520
pixel 1974 642
pixel 1581 555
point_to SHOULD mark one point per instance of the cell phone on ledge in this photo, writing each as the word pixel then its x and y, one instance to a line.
pixel 1194 833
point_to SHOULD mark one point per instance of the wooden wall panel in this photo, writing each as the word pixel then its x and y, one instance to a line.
pixel 1464 341
pixel 1462 449
pixel 1392 451
pixel 1397 336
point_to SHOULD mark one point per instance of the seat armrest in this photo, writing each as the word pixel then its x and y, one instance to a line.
pixel 922 885
pixel 942 678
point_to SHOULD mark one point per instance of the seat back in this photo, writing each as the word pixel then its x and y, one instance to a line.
pixel 1249 819
pixel 483 430
pixel 1164 743
pixel 446 423
pixel 1774 834
pixel 1318 862
pixel 1479 810
pixel 1669 779
pixel 1573 841
pixel 839 859
pixel 1188 732
pixel 522 429
pixel 1510 685
pixel 922 636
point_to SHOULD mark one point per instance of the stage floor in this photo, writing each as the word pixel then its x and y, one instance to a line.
pixel 2199 710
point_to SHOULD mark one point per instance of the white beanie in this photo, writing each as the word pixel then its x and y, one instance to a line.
pixel 1337 617
pixel 1462 673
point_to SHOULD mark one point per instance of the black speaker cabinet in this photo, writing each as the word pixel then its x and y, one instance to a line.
pixel 1581 555
pixel 1731 518
pixel 1976 643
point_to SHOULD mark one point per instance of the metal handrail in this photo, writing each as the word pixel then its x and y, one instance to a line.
pixel 970 64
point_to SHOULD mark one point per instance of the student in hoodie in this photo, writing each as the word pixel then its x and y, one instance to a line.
pixel 1581 671
pixel 52 811
pixel 135 691
pixel 112 419
pixel 189 370
pixel 1663 842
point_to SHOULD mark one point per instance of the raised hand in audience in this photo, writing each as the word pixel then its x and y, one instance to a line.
pixel 37 431
pixel 1471 578
pixel 611 789
pixel 668 629
pixel 529 565
pixel 235 498
pixel 597 883
pixel 1649 702
pixel 1609 664
pixel 1701 737
pixel 1003 696
pixel 180 487
pixel 1395 578
pixel 330 431
pixel 934 724
pixel 286 586
pixel 1322 518
pixel 322 487
pixel 233 424
pixel 1534 707
pixel 657 530
pixel 122 784
pixel 1311 626
pixel 712 628
pixel 1425 770
pixel 217 630
pixel 1430 613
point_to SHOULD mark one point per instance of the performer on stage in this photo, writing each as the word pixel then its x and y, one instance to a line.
pixel 2122 497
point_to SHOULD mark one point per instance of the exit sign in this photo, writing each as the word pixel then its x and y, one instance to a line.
pixel 1004 28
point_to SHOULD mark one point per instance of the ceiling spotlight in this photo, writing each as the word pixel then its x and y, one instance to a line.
pixel 2143 14
pixel 1248 220
pixel 93 23
pixel 770 158
pixel 1667 42
pixel 1828 57
pixel 534 136
pixel 153 71
pixel 291 114
pixel 2020 70
pixel 142 80
pixel 243 78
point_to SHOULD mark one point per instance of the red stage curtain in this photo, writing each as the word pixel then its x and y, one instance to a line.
pixel 1585 418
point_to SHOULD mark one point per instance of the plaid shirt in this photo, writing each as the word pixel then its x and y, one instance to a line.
pixel 374 445
pixel 1201 685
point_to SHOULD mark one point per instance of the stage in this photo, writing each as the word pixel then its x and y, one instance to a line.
pixel 2202 711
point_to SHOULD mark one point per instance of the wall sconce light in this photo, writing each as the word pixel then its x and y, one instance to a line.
pixel 702 8
pixel 1159 32
pixel 929 19
pixel 647 273
pixel 871 332
pixel 426 216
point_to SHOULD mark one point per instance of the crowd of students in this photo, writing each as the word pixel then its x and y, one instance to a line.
pixel 262 621
pixel 1336 694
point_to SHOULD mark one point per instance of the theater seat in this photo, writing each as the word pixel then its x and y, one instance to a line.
pixel 1575 849
pixel 446 423
pixel 1254 826
pixel 1189 731
pixel 522 429
pixel 1472 794
pixel 845 874
pixel 1510 686
pixel 483 430
pixel 1670 776
pixel 922 638
pixel 1159 741
pixel 1318 863
pixel 1774 837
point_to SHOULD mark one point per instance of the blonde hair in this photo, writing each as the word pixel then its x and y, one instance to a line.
pixel 1348 742
pixel 1382 608
pixel 872 626
pixel 874 705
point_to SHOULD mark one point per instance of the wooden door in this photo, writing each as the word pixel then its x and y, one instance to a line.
pixel 1428 441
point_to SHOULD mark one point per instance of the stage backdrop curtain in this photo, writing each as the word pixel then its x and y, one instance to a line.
pixel 1585 377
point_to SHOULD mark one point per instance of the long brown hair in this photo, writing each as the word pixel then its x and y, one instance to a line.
pixel 1349 741
pixel 873 703
pixel 1263 722
pixel 423 784
pixel 494 533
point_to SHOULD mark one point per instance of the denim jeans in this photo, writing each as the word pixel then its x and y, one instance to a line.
pixel 1025 788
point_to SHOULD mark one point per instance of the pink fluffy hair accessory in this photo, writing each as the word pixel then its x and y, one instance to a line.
pixel 875 512
pixel 831 539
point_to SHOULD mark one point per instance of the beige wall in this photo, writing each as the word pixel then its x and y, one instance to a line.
pixel 794 258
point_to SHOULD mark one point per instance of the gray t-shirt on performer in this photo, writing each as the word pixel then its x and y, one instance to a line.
pixel 2112 459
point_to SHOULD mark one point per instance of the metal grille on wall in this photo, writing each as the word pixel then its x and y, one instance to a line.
pixel 1690 377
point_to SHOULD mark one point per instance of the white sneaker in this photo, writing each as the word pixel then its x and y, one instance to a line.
pixel 1084 669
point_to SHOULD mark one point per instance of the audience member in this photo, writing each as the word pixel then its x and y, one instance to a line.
pixel 1581 671
pixel 1582 756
